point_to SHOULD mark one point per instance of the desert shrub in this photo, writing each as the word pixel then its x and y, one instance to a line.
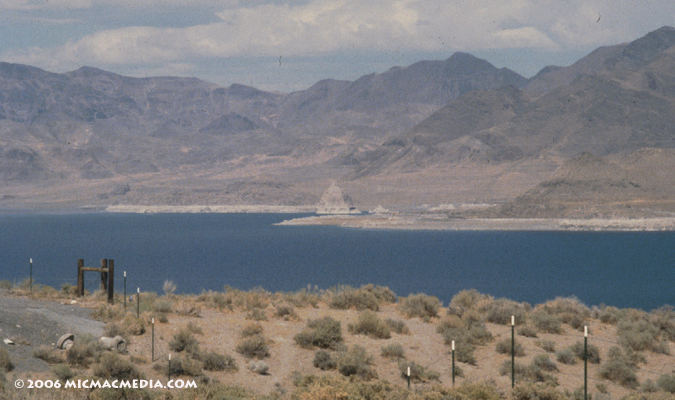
pixel 257 314
pixel 105 313
pixel 5 284
pixel 619 368
pixel 527 331
pixel 566 356
pixel 133 325
pixel 418 373
pixel 6 363
pixel 356 362
pixel 161 317
pixel 667 383
pixel 367 297
pixel 664 319
pixel 648 386
pixel 285 312
pixel 393 350
pixel 504 347
pixel 536 391
pixel 324 361
pixel 325 333
pixel 163 306
pixel 371 325
pixel 303 298
pixel 478 334
pixel 466 333
pixel 543 362
pixel 180 366
pixel 253 347
pixel 68 290
pixel 113 366
pixel 567 308
pixel 187 308
pixel 252 330
pixel 592 352
pixel 169 287
pixel 397 326
pixel 638 335
pixel 213 361
pixel 546 322
pixel 501 310
pixel 48 354
pixel 420 305
pixel 528 373
pixel 547 345
pixel 259 367
pixel 85 349
pixel 608 315
pixel 62 372
pixel 184 340
pixel 470 299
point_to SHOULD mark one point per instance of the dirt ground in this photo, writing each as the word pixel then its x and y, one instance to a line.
pixel 42 321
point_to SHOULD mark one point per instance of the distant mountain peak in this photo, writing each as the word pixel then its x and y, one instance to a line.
pixel 646 47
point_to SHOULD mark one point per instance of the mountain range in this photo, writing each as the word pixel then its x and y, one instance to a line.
pixel 435 132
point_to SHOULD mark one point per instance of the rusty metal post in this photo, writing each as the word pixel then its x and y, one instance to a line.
pixel 80 278
pixel 111 281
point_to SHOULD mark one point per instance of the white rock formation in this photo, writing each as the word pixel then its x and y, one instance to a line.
pixel 335 201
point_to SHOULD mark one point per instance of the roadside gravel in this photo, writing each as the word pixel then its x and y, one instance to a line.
pixel 33 323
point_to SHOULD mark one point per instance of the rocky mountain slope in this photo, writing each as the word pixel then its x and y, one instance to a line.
pixel 458 130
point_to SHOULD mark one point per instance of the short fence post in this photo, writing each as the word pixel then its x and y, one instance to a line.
pixel 408 377
pixel 513 351
pixel 125 290
pixel 169 369
pixel 453 363
pixel 31 276
pixel 80 278
pixel 138 302
pixel 152 354
pixel 585 362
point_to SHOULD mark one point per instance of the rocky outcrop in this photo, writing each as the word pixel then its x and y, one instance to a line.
pixel 335 201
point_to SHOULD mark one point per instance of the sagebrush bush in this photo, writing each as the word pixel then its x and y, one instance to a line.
pixel 527 331
pixel 667 383
pixel 504 347
pixel 566 356
pixel 163 306
pixel 394 350
pixel 324 361
pixel 62 372
pixel 213 361
pixel 638 335
pixel 356 362
pixel 285 312
pixel 371 325
pixel 6 363
pixel 420 305
pixel 543 362
pixel 501 310
pixel 325 333
pixel 5 284
pixel 113 366
pixel 184 340
pixel 253 347
pixel 467 333
pixel 367 297
pixel 470 299
pixel 529 373
pixel 252 330
pixel 664 319
pixel 592 352
pixel 259 367
pixel 620 368
pixel 180 366
pixel 608 315
pixel 547 345
pixel 546 322
pixel 85 349
pixel 532 391
pixel 418 373
pixel 397 326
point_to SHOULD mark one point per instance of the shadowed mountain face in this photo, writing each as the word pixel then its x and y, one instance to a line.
pixel 79 135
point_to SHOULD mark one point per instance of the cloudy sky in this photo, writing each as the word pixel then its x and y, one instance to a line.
pixel 288 45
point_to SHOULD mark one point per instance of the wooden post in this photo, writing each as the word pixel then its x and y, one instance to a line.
pixel 80 278
pixel 111 281
pixel 104 275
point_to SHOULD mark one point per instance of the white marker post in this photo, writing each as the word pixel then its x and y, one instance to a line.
pixel 152 355
pixel 138 302
pixel 585 362
pixel 408 377
pixel 453 363
pixel 513 351
pixel 31 276
pixel 125 290
pixel 169 370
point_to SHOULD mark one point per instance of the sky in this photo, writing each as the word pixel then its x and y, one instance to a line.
pixel 288 45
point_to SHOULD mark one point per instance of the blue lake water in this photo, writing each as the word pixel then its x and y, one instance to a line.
pixel 208 251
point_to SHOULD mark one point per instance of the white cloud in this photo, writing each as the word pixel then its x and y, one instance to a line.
pixel 31 5
pixel 327 26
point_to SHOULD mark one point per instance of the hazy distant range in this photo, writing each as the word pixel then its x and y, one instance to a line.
pixel 592 139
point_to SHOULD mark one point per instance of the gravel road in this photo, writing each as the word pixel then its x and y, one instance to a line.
pixel 33 323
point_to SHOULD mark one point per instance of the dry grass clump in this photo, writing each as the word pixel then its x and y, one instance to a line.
pixel 85 349
pixel 394 351
pixel 371 325
pixel 6 363
pixel 259 367
pixel 356 362
pixel 180 366
pixel 532 391
pixel 107 313
pixel 285 312
pixel 63 372
pixel 397 326
pixel 49 355
pixel 251 330
pixel 162 305
pixel 253 347
pixel 257 298
pixel 367 297
pixel 325 333
pixel 533 373
pixel 113 366
pixel 324 361
pixel 620 368
pixel 504 347
pixel 420 305
pixel 213 361
pixel 302 298
pixel 187 308
pixel 184 340
pixel 418 373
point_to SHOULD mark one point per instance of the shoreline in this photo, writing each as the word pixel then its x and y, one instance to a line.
pixel 441 222
pixel 216 209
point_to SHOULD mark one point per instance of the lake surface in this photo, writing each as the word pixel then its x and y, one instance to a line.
pixel 208 251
